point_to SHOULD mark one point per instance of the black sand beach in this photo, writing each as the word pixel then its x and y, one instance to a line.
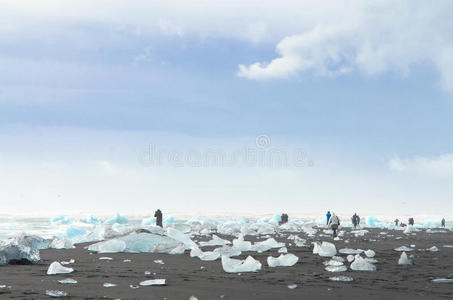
pixel 188 276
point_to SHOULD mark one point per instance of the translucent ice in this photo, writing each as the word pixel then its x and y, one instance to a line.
pixel 341 278
pixel 370 253
pixel 336 268
pixel 56 294
pixel 403 248
pixel 14 251
pixel 110 246
pixel 242 245
pixel 283 250
pixel 90 219
pixel 73 232
pixel 228 251
pixel 350 251
pixel 433 249
pixel 284 260
pixel 117 219
pixel 327 250
pixel 350 258
pixel 62 243
pixel 153 282
pixel 181 237
pixel 333 262
pixel 442 280
pixel 404 260
pixel 205 256
pixel 231 265
pixel 67 281
pixel 216 241
pixel 360 264
pixel 268 244
pixel 60 220
pixel 57 268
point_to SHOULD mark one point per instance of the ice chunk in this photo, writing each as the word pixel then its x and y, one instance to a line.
pixel 338 258
pixel 360 264
pixel 403 248
pixel 181 237
pixel 71 261
pixel 231 265
pixel 292 286
pixel 57 268
pixel 90 219
pixel 228 251
pixel 62 243
pixel 242 245
pixel 284 260
pixel 110 246
pixel 13 252
pixel 341 278
pixel 433 249
pixel 409 229
pixel 216 241
pixel 108 284
pixel 60 220
pixel 263 246
pixel 370 253
pixel 316 247
pixel 373 222
pixel 404 260
pixel 205 256
pixel 350 251
pixel 73 232
pixel 56 294
pixel 151 221
pixel 358 233
pixel 350 258
pixel 432 224
pixel 333 262
pixel 336 268
pixel 105 258
pixel 308 229
pixel 117 219
pixel 67 281
pixel 442 280
pixel 153 282
pixel 159 262
pixel 283 250
pixel 327 250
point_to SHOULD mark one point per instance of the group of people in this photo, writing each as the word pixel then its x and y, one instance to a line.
pixel 411 222
pixel 284 219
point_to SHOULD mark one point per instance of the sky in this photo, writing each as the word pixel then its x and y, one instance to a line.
pixel 244 106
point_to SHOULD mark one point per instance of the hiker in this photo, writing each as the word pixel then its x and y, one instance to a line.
pixel 334 222
pixel 354 220
pixel 396 222
pixel 443 222
pixel 358 220
pixel 328 217
pixel 158 216
pixel 411 221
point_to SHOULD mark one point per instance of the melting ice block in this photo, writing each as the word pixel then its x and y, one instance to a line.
pixel 283 250
pixel 110 246
pixel 403 248
pixel 361 264
pixel 242 245
pixel 231 265
pixel 370 253
pixel 56 294
pixel 336 268
pixel 327 250
pixel 205 256
pixel 153 282
pixel 266 245
pixel 117 219
pixel 181 237
pixel 57 268
pixel 216 241
pixel 67 281
pixel 404 260
pixel 341 278
pixel 284 260
pixel 350 251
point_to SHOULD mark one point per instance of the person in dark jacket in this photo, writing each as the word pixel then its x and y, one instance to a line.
pixel 328 217
pixel 158 216
pixel 443 222
pixel 411 221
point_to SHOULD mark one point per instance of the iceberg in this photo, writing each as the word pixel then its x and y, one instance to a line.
pixel 14 251
pixel 60 220
pixel 284 260
pixel 231 265
pixel 336 268
pixel 117 219
pixel 57 268
pixel 404 260
pixel 327 250
pixel 360 264
pixel 216 241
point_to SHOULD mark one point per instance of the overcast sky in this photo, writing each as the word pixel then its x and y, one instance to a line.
pixel 226 106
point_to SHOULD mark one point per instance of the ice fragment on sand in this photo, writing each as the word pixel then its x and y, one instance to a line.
pixel 360 264
pixel 57 268
pixel 350 258
pixel 242 245
pixel 333 262
pixel 193 298
pixel 105 258
pixel 404 260
pixel 327 250
pixel 71 261
pixel 108 284
pixel 159 261
pixel 153 282
pixel 433 249
pixel 62 243
pixel 283 250
pixel 403 248
pixel 205 256
pixel 117 219
pixel 231 265
pixel 442 280
pixel 110 246
pixel 350 251
pixel 181 237
pixel 216 241
pixel 370 253
pixel 284 260
pixel 228 251
pixel 266 245
pixel 336 268
pixel 292 286
pixel 341 278
pixel 56 294
pixel 67 281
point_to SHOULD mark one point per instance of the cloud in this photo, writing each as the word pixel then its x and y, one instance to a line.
pixel 376 38
pixel 438 166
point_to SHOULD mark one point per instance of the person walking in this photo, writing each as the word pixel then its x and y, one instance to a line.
pixel 443 222
pixel 328 217
pixel 354 220
pixel 158 216
pixel 396 222
pixel 334 222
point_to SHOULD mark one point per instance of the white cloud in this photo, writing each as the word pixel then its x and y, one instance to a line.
pixel 438 166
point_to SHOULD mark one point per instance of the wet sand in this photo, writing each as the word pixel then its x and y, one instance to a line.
pixel 188 276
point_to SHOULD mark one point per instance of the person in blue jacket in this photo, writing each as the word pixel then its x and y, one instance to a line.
pixel 328 216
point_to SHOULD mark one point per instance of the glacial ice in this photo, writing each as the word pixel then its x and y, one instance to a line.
pixel 242 245
pixel 56 294
pixel 333 262
pixel 433 249
pixel 360 264
pixel 370 253
pixel 359 233
pixel 373 222
pixel 62 243
pixel 409 229
pixel 153 282
pixel 181 237
pixel 341 278
pixel 90 219
pixel 432 224
pixel 117 219
pixel 350 258
pixel 404 260
pixel 403 248
pixel 108 284
pixel 283 250
pixel 73 232
pixel 231 265
pixel 216 241
pixel 67 281
pixel 57 268
pixel 16 250
pixel 327 250
pixel 284 260
pixel 60 220
pixel 228 251
pixel 336 268
pixel 151 221
pixel 350 251
pixel 266 245
pixel 442 280
pixel 205 256
pixel 110 246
